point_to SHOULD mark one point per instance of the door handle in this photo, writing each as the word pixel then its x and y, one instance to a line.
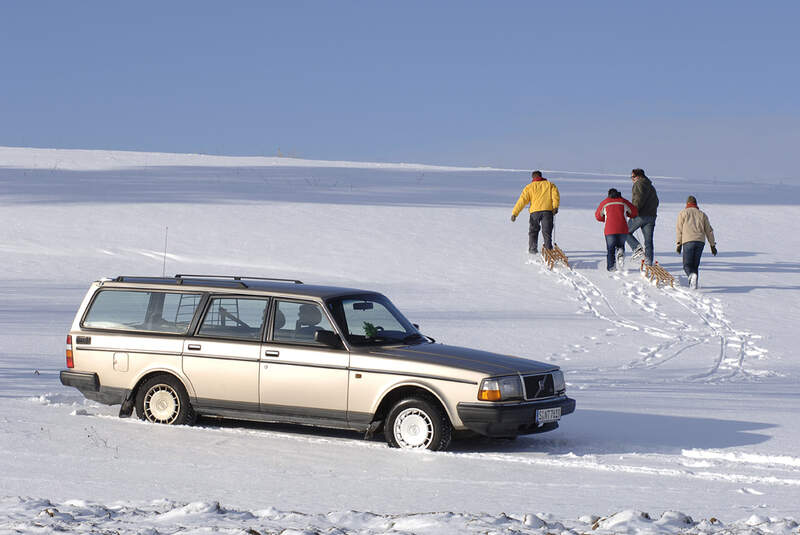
pixel 271 353
pixel 193 347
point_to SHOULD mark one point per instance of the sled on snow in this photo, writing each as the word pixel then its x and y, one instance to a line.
pixel 554 256
pixel 658 274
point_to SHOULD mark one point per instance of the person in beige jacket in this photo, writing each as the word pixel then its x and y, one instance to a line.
pixel 693 229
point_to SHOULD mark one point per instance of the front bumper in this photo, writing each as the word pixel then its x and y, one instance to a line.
pixel 511 419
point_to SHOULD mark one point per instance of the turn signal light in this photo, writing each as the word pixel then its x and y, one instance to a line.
pixel 489 395
pixel 70 361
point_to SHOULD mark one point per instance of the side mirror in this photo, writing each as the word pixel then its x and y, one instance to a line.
pixel 328 338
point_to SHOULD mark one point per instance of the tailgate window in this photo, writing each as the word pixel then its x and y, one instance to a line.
pixel 147 311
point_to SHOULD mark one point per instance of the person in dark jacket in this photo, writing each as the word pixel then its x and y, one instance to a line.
pixel 613 210
pixel 645 199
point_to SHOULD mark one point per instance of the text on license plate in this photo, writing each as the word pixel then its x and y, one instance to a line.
pixel 544 416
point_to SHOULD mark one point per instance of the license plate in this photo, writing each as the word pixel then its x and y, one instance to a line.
pixel 544 416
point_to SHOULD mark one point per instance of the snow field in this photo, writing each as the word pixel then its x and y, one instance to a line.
pixel 686 399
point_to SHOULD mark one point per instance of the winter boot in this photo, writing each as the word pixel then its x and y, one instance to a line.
pixel 620 257
pixel 638 252
pixel 693 281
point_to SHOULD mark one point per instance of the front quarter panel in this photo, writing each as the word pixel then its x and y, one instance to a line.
pixel 373 378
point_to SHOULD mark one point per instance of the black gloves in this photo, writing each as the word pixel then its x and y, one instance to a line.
pixel 714 250
pixel 513 218
pixel 555 211
pixel 678 250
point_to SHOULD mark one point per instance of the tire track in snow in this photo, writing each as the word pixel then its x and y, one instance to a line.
pixel 743 458
pixel 582 463
pixel 721 466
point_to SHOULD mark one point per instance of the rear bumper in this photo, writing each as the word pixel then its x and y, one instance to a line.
pixel 89 385
pixel 509 420
pixel 85 382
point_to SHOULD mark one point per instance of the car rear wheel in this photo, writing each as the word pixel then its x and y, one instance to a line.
pixel 417 423
pixel 163 400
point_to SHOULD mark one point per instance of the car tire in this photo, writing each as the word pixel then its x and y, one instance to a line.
pixel 162 399
pixel 418 423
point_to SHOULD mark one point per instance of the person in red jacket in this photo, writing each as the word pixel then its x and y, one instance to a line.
pixel 615 210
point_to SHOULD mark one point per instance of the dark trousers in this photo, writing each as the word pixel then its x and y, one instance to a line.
pixel 543 220
pixel 692 251
pixel 648 225
pixel 614 242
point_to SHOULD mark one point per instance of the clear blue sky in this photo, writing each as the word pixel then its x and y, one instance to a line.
pixel 687 88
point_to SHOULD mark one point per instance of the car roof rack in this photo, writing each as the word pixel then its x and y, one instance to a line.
pixel 183 278
pixel 235 277
pixel 142 278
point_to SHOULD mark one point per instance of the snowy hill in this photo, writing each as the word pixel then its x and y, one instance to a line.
pixel 687 400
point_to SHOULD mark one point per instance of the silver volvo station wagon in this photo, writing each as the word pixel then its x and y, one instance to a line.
pixel 278 350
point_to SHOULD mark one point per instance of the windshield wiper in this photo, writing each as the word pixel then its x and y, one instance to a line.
pixel 414 336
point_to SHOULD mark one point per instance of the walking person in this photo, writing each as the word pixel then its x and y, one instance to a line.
pixel 614 210
pixel 693 229
pixel 543 197
pixel 645 199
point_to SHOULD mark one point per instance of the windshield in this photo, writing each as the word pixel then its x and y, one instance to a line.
pixel 373 320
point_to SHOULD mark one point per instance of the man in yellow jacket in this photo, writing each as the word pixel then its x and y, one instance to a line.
pixel 542 195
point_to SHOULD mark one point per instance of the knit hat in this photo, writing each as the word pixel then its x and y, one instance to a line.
pixel 614 194
pixel 691 200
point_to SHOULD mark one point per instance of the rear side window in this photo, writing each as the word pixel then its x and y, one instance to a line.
pixel 147 311
pixel 234 317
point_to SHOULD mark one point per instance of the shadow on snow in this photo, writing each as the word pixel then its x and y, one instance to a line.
pixel 585 432
pixel 590 432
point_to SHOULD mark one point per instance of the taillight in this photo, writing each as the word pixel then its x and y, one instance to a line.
pixel 70 361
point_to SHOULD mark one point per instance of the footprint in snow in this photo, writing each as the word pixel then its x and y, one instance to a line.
pixel 746 490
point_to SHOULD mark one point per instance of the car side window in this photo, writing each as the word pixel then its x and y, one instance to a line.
pixel 297 322
pixel 234 317
pixel 147 311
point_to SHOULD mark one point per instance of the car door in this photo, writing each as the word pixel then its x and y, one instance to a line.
pixel 302 380
pixel 222 358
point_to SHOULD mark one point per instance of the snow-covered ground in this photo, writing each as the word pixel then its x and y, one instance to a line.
pixel 687 400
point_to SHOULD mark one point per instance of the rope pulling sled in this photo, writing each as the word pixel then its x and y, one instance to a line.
pixel 553 256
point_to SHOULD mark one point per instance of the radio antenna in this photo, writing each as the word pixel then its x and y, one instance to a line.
pixel 164 266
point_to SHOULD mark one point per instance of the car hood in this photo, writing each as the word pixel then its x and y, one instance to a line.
pixel 464 358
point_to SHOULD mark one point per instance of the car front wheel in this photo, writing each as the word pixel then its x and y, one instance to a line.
pixel 163 400
pixel 417 423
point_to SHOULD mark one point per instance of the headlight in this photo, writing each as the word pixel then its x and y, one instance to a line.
pixel 501 389
pixel 558 381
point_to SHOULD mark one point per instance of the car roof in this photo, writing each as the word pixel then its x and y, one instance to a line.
pixel 259 284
